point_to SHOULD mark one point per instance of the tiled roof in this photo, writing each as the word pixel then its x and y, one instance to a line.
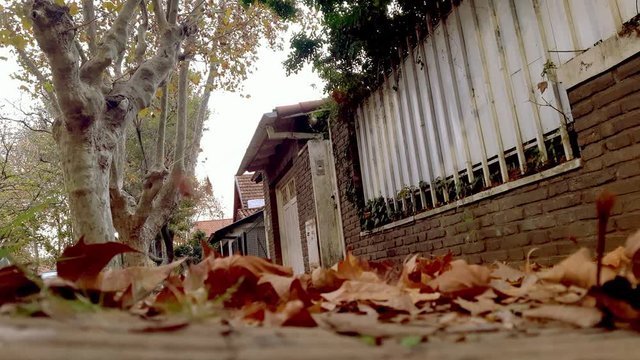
pixel 248 190
pixel 243 213
pixel 211 226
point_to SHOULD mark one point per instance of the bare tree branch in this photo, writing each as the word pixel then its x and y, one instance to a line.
pixel 162 125
pixel 35 71
pixel 161 17
pixel 113 43
pixel 181 122
pixel 89 14
pixel 51 24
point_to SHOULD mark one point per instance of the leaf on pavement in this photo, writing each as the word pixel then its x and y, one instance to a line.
pixel 577 315
pixel 507 273
pixel 14 284
pixel 462 280
pixel 478 307
pixel 615 258
pixel 141 279
pixel 578 269
pixel 326 280
pixel 293 313
pixel 83 262
pixel 381 294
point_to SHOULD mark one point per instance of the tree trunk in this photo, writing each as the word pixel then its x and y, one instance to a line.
pixel 85 160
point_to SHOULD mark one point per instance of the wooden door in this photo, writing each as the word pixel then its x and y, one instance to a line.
pixel 290 226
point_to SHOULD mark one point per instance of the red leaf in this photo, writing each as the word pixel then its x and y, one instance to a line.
pixel 83 262
pixel 14 284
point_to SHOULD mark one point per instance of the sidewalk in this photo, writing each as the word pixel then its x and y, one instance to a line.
pixel 46 339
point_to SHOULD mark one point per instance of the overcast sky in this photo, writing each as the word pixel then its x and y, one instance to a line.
pixel 233 118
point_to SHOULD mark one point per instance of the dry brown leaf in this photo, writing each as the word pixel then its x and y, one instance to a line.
pixel 293 313
pixel 542 86
pixel 507 273
pixel 462 280
pixel 578 269
pixel 83 262
pixel 503 287
pixel 14 284
pixel 615 258
pixel 142 279
pixel 478 307
pixel 378 293
pixel 577 315
pixel 325 280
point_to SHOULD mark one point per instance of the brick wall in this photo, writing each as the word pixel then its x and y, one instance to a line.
pixel 552 214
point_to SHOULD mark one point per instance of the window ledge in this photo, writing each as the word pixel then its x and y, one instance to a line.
pixel 560 169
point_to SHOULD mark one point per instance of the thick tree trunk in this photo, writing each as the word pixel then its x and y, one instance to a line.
pixel 86 174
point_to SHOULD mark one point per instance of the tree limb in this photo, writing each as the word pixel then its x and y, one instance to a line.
pixel 142 85
pixel 161 17
pixel 89 14
pixel 113 43
pixel 51 24
pixel 162 125
pixel 181 122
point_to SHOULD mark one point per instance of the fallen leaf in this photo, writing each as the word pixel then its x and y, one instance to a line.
pixel 325 280
pixel 83 262
pixel 576 315
pixel 462 280
pixel 578 269
pixel 506 272
pixel 141 279
pixel 615 258
pixel 378 293
pixel 478 307
pixel 14 284
pixel 505 288
pixel 293 313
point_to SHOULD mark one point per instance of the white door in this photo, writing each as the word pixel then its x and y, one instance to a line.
pixel 290 227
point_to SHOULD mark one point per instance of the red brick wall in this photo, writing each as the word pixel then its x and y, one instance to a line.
pixel 543 215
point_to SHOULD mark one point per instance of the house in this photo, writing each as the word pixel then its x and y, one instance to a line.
pixel 210 226
pixel 246 234
pixel 247 196
pixel 295 164
pixel 495 133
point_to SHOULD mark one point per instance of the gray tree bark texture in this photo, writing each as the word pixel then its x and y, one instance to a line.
pixel 93 112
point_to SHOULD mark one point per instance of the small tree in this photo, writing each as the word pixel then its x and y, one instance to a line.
pixel 106 69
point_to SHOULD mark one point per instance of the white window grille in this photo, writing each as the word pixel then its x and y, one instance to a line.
pixel 463 107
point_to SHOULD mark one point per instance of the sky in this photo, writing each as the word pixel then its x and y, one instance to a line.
pixel 233 118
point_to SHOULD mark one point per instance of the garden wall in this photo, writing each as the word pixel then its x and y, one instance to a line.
pixel 555 214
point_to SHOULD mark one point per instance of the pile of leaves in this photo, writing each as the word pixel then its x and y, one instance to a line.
pixel 355 296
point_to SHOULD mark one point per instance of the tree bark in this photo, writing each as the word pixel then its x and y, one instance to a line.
pixel 90 129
